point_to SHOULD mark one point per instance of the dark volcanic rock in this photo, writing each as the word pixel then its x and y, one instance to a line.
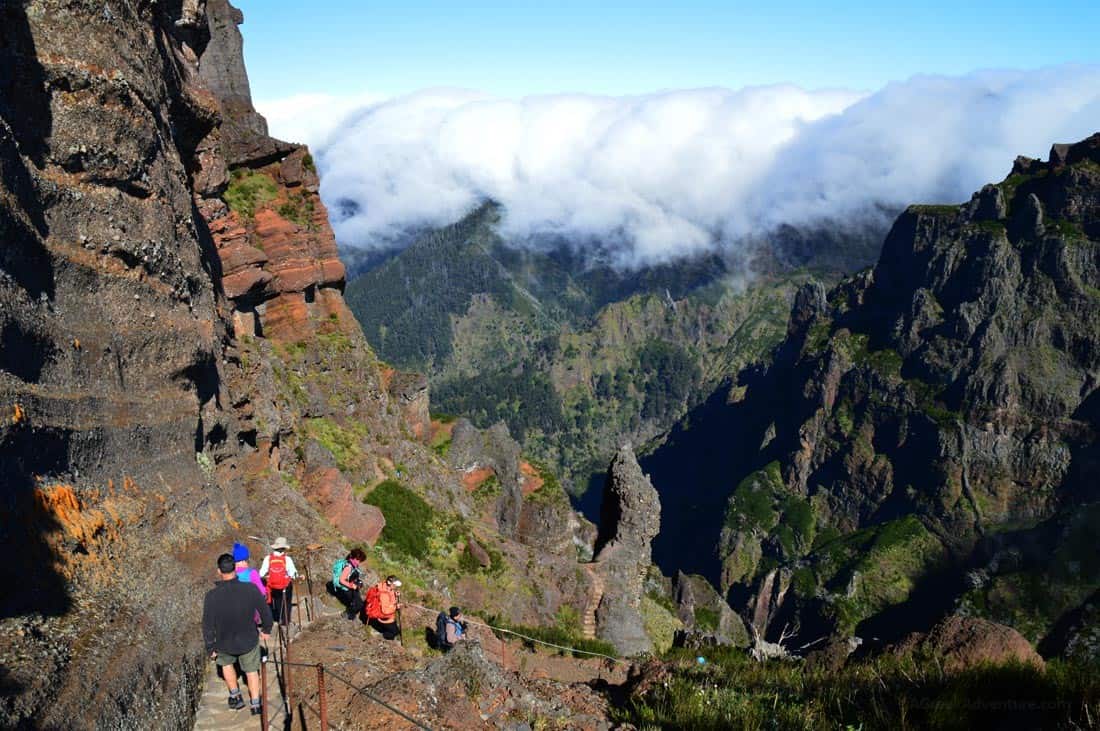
pixel 494 447
pixel 630 518
pixel 244 131
pixel 928 414
pixel 134 429
pixel 111 377
pixel 705 613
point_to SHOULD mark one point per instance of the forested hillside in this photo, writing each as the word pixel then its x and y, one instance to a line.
pixel 575 356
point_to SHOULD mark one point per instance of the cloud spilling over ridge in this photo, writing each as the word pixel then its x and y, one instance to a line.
pixel 653 177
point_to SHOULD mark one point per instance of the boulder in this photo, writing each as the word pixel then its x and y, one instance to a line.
pixel 480 554
pixel 966 642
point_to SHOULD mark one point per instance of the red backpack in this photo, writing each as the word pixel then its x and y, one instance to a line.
pixel 277 577
pixel 374 603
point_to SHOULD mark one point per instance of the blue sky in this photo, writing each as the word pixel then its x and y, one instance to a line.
pixel 345 47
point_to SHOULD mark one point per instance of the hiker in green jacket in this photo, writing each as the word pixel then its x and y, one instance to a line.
pixel 346 582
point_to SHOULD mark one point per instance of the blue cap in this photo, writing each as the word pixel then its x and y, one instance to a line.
pixel 240 552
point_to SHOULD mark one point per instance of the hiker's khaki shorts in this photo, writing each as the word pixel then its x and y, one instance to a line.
pixel 249 662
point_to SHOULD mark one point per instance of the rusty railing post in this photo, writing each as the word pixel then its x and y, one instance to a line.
pixel 298 606
pixel 263 694
pixel 287 670
pixel 322 704
pixel 310 549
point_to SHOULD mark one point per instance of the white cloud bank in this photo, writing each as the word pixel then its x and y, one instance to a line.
pixel 657 176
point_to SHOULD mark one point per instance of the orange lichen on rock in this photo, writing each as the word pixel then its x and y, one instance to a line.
pixel 387 376
pixel 75 530
pixel 530 479
pixel 18 415
pixel 233 523
pixel 475 478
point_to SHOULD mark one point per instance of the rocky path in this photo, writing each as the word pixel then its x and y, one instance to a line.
pixel 595 595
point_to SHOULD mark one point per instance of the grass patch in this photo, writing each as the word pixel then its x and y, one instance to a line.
pixel 874 568
pixel 408 517
pixel 751 505
pixel 733 692
pixel 247 191
pixel 554 635
pixel 660 623
pixel 706 619
pixel 342 441
pixel 298 209
pixel 488 490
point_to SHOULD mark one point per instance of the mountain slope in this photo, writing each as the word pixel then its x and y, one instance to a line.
pixel 576 357
pixel 926 438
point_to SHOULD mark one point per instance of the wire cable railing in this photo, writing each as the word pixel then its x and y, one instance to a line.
pixel 284 665
pixel 284 674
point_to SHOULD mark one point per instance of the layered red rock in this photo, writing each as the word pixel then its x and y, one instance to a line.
pixel 286 271
pixel 333 495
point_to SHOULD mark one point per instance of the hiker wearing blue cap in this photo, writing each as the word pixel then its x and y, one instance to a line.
pixel 244 572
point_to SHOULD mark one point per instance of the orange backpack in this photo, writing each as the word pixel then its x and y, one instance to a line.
pixel 374 603
pixel 277 577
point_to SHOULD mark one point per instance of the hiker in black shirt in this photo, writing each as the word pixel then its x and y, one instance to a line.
pixel 229 615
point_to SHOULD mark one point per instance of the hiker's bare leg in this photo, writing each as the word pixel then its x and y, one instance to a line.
pixel 253 685
pixel 229 675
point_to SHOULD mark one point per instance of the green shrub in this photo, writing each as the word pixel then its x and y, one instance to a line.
pixel 408 518
pixel 298 209
pixel 467 564
pixel 706 619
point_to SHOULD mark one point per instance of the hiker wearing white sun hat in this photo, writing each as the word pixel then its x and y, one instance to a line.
pixel 279 572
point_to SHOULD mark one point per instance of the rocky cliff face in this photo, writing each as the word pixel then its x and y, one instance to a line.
pixel 113 332
pixel 928 429
pixel 178 370
pixel 631 517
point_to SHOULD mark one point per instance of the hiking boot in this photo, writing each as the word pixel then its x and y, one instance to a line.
pixel 236 702
pixel 256 709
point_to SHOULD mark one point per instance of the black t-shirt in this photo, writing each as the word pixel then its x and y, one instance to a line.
pixel 229 617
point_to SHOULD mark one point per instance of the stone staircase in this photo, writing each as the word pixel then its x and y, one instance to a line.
pixel 214 714
pixel 595 595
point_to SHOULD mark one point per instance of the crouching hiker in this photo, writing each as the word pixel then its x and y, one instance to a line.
pixel 450 629
pixel 229 631
pixel 278 572
pixel 382 607
pixel 346 582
